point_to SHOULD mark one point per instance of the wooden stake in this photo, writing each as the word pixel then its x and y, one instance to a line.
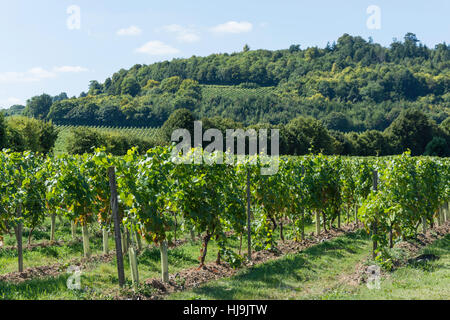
pixel 115 215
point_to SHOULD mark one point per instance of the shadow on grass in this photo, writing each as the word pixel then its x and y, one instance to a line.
pixel 275 274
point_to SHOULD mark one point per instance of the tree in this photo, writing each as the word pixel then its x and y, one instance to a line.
pixel 179 119
pixel 61 96
pixel 338 121
pixel 437 147
pixel 95 88
pixel 130 86
pixel 3 139
pixel 307 133
pixel 38 106
pixel 445 126
pixel 82 140
pixel 246 48
pixel 30 134
pixel 294 48
pixel 171 84
pixel 372 143
pixel 411 130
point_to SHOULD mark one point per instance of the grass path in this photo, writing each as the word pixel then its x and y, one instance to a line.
pixel 320 272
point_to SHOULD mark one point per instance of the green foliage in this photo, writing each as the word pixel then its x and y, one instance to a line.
pixel 82 140
pixel 3 137
pixel 411 130
pixel 304 134
pixel 130 86
pixel 353 85
pixel 38 106
pixel 438 147
pixel 180 119
pixel 30 134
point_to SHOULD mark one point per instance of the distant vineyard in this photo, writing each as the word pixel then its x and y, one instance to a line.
pixel 233 92
pixel 142 133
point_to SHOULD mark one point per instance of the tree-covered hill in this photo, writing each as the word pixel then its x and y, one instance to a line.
pixel 352 97
pixel 352 84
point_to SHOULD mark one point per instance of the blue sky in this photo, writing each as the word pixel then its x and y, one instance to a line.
pixel 43 50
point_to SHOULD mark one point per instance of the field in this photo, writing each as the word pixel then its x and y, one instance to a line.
pixel 324 271
pixel 145 227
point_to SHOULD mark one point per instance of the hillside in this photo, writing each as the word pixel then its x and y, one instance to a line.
pixel 360 83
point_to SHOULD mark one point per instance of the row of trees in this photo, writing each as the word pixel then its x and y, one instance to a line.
pixel 411 130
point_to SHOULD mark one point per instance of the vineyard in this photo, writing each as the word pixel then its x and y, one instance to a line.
pixel 150 200
pixel 142 133
pixel 234 92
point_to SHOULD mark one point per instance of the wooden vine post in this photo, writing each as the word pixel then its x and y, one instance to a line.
pixel 115 215
pixel 249 227
pixel 374 227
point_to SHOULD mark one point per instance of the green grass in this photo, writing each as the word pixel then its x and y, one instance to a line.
pixel 320 273
pixel 42 256
pixel 426 280
pixel 100 279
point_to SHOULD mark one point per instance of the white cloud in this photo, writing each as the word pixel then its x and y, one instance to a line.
pixel 183 34
pixel 32 75
pixel 233 27
pixel 71 69
pixel 6 103
pixel 41 73
pixel 13 100
pixel 130 31
pixel 157 48
pixel 37 74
